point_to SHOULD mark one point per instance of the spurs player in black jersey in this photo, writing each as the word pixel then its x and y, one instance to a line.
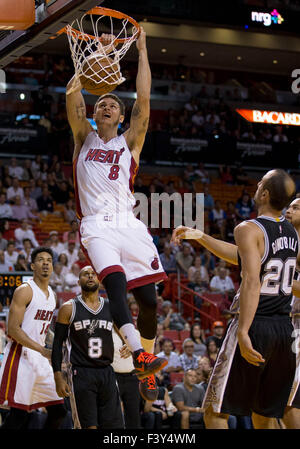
pixel 85 323
pixel 264 299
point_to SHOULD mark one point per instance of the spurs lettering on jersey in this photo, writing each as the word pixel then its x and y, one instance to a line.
pixel 91 325
pixel 104 177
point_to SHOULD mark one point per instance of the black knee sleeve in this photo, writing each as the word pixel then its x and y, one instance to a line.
pixel 116 288
pixel 145 296
pixel 56 415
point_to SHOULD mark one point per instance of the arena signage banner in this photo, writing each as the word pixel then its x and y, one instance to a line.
pixel 270 117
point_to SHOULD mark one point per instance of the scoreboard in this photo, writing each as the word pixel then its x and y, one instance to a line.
pixel 9 282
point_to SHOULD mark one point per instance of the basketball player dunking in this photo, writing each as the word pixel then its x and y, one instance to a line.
pixel 229 252
pixel 263 360
pixel 85 322
pixel 118 245
pixel 26 376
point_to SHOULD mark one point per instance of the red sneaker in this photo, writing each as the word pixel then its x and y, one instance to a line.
pixel 149 389
pixel 147 364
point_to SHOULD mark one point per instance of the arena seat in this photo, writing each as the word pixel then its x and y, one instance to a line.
pixel 184 334
pixel 172 334
pixel 176 378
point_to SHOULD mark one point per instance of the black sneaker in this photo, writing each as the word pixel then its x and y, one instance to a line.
pixel 147 364
pixel 149 389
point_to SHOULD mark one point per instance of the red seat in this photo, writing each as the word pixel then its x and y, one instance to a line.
pixel 64 296
pixel 184 335
pixel 173 335
pixel 178 345
pixel 176 378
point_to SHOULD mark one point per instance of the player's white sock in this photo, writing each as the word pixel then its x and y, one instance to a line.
pixel 148 345
pixel 131 337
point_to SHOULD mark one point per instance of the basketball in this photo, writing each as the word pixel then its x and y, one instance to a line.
pixel 101 74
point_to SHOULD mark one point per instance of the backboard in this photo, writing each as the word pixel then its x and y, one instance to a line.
pixel 50 17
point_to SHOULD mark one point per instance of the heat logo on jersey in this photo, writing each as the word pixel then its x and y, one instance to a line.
pixel 43 315
pixel 103 156
pixel 155 263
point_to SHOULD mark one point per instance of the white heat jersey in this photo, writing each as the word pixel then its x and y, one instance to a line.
pixel 38 313
pixel 104 176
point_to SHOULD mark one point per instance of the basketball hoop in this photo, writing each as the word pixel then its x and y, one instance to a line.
pixel 85 42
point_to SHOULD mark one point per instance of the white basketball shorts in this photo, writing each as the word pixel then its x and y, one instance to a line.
pixel 121 243
pixel 26 379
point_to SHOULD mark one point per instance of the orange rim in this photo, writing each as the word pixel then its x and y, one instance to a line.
pixel 99 11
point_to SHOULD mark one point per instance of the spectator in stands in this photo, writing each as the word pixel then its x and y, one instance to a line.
pixel 198 119
pixel 27 250
pixel 279 136
pixel 58 173
pixel 46 122
pixel 69 211
pixel 188 398
pixel 217 218
pixel 5 209
pixel 27 173
pixel 24 232
pixel 222 283
pixel 35 189
pixel 10 254
pixel 15 171
pixel 63 193
pixel 212 351
pixel 197 336
pixel 244 208
pixel 14 191
pixel 231 221
pixel 170 319
pixel 173 90
pixel 28 201
pixel 208 199
pixel 198 280
pixel 45 202
pixel 240 176
pixel 161 412
pixel 63 259
pixel 71 280
pixel 159 338
pixel 201 174
pixel 184 259
pixel 217 333
pixel 188 359
pixel 4 265
pixel 36 164
pixel 189 173
pixel 3 241
pixel 7 233
pixel 71 252
pixel 21 264
pixel 208 260
pixel 206 371
pixel 169 354
pixel 22 212
pixel 168 259
pixel 191 106
pixel 82 260
pixel 56 245
pixel 74 228
pixel 57 279
pixel 225 174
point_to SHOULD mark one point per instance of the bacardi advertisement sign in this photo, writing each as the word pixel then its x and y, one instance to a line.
pixel 270 117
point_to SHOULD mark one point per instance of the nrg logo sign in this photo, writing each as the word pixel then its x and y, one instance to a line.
pixel 267 18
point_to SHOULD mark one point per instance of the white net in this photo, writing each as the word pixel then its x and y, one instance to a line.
pixel 89 50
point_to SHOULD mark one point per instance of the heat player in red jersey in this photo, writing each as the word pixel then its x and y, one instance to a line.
pixel 118 245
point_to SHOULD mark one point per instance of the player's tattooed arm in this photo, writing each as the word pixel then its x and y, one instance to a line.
pixel 135 135
pixel 76 112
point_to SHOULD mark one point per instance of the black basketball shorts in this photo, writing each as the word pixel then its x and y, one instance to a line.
pixel 97 398
pixel 238 388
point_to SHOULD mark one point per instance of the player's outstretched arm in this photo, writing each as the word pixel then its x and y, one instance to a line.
pixel 247 237
pixel 219 248
pixel 21 298
pixel 76 112
pixel 135 135
pixel 60 335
